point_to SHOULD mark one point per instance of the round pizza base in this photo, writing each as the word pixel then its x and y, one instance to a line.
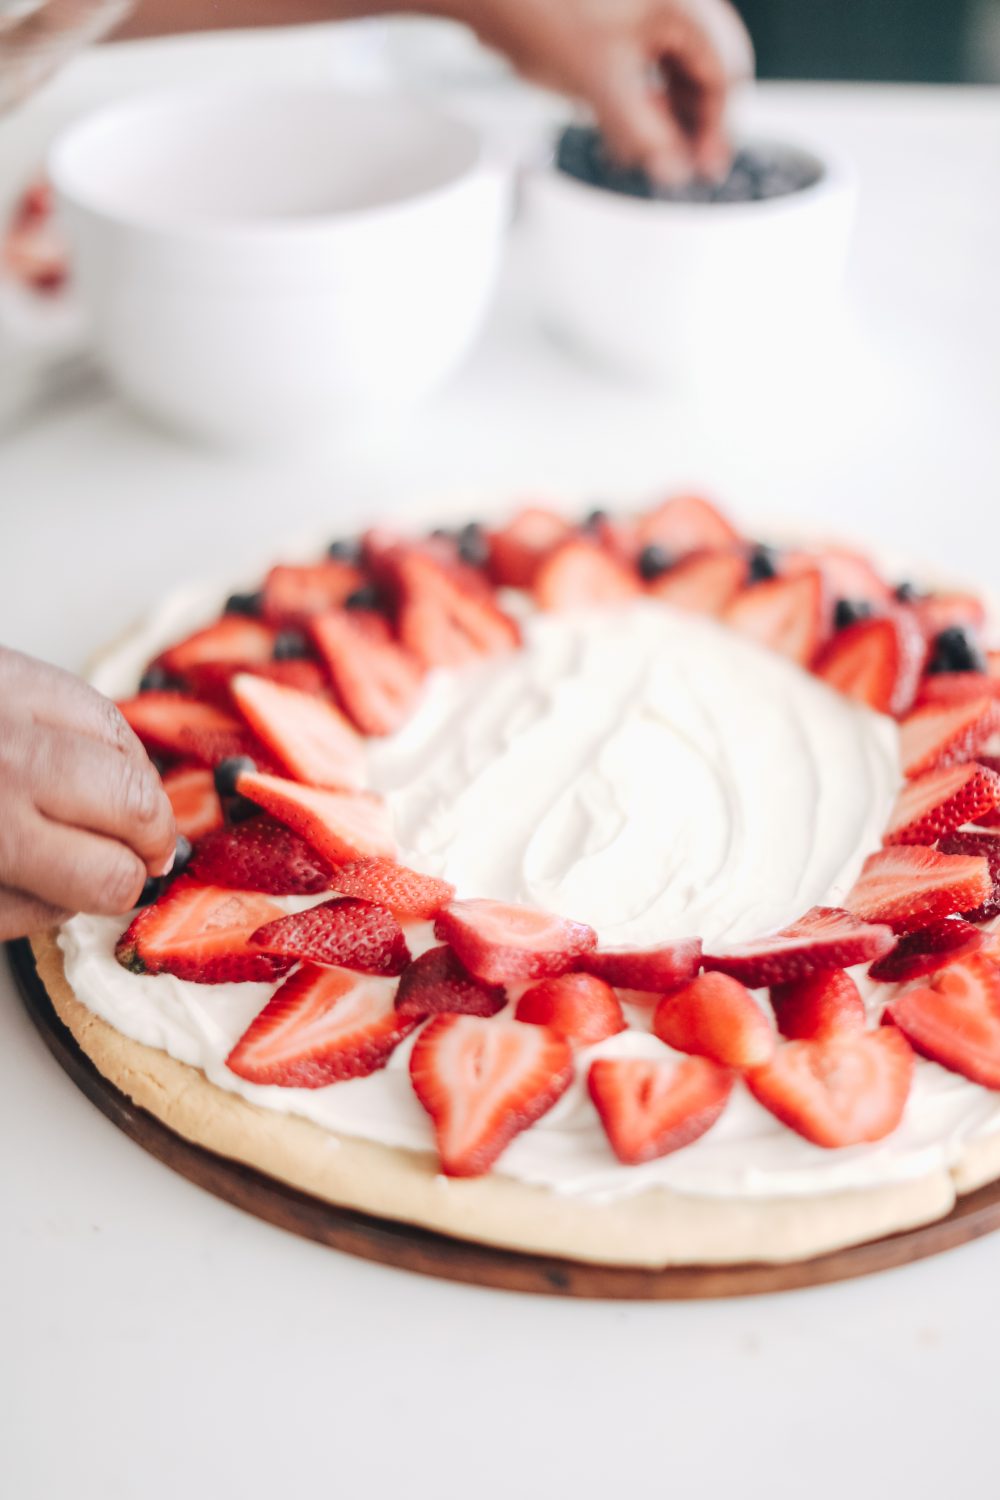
pixel 653 1229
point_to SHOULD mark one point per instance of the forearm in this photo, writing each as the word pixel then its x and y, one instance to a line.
pixel 166 17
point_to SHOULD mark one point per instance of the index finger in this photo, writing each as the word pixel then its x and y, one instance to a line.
pixel 60 700
pixel 698 88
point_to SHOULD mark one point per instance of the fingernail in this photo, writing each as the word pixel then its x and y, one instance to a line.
pixel 167 867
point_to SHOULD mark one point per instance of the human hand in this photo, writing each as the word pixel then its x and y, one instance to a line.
pixel 84 818
pixel 656 77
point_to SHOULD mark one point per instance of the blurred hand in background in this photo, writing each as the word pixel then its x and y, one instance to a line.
pixel 655 72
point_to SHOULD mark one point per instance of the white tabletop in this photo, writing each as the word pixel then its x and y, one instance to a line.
pixel 157 1342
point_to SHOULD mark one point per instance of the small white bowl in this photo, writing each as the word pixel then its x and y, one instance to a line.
pixel 262 263
pixel 668 291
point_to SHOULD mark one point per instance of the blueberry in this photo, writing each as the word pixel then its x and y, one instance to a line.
pixel 595 519
pixel 151 890
pixel 653 561
pixel 473 545
pixel 906 592
pixel 366 597
pixel 290 645
pixel 245 604
pixel 954 650
pixel 156 680
pixel 183 850
pixel 850 612
pixel 344 549
pixel 762 564
pixel 228 770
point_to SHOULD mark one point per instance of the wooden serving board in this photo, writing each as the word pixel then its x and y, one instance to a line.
pixel 414 1249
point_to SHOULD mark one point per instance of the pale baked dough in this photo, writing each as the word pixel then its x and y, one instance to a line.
pixel 654 1228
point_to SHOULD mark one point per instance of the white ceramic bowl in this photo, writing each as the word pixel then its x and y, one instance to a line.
pixel 682 291
pixel 260 263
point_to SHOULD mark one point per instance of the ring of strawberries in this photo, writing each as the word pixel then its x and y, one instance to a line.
pixel 259 723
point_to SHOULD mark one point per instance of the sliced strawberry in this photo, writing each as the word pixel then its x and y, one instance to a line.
pixel 579 1007
pixel 685 524
pixel 909 887
pixel 955 1020
pixel 715 1017
pixel 944 735
pixel 261 855
pixel 321 1027
pixel 956 687
pixel 202 933
pixel 345 933
pixel 32 249
pixel 408 894
pixel 293 594
pixel 210 680
pixel 650 969
pixel 842 1091
pixel 498 943
pixel 517 550
pixel 580 573
pixel 196 805
pixel 234 638
pixel 307 736
pixel 824 1005
pixel 172 724
pixel 877 662
pixel 705 582
pixel 986 845
pixel 938 802
pixel 484 1081
pixel 340 825
pixel 650 1107
pixel 851 575
pixel 825 938
pixel 990 819
pixel 993 663
pixel 926 951
pixel 788 615
pixel 937 612
pixel 376 681
pixel 443 624
pixel 436 983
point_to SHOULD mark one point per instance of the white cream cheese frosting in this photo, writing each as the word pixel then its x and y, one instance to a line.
pixel 647 771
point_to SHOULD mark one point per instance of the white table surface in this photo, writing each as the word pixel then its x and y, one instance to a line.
pixel 158 1343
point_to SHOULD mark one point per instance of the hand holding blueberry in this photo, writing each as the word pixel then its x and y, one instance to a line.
pixel 84 819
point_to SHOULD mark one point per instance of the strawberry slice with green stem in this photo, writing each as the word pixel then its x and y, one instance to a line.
pixel 344 933
pixel 201 933
pixel 501 943
pixel 308 737
pixel 323 1026
pixel 650 1107
pixel 483 1082
pixel 578 1007
pixel 715 1017
pixel 825 938
pixel 842 1091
